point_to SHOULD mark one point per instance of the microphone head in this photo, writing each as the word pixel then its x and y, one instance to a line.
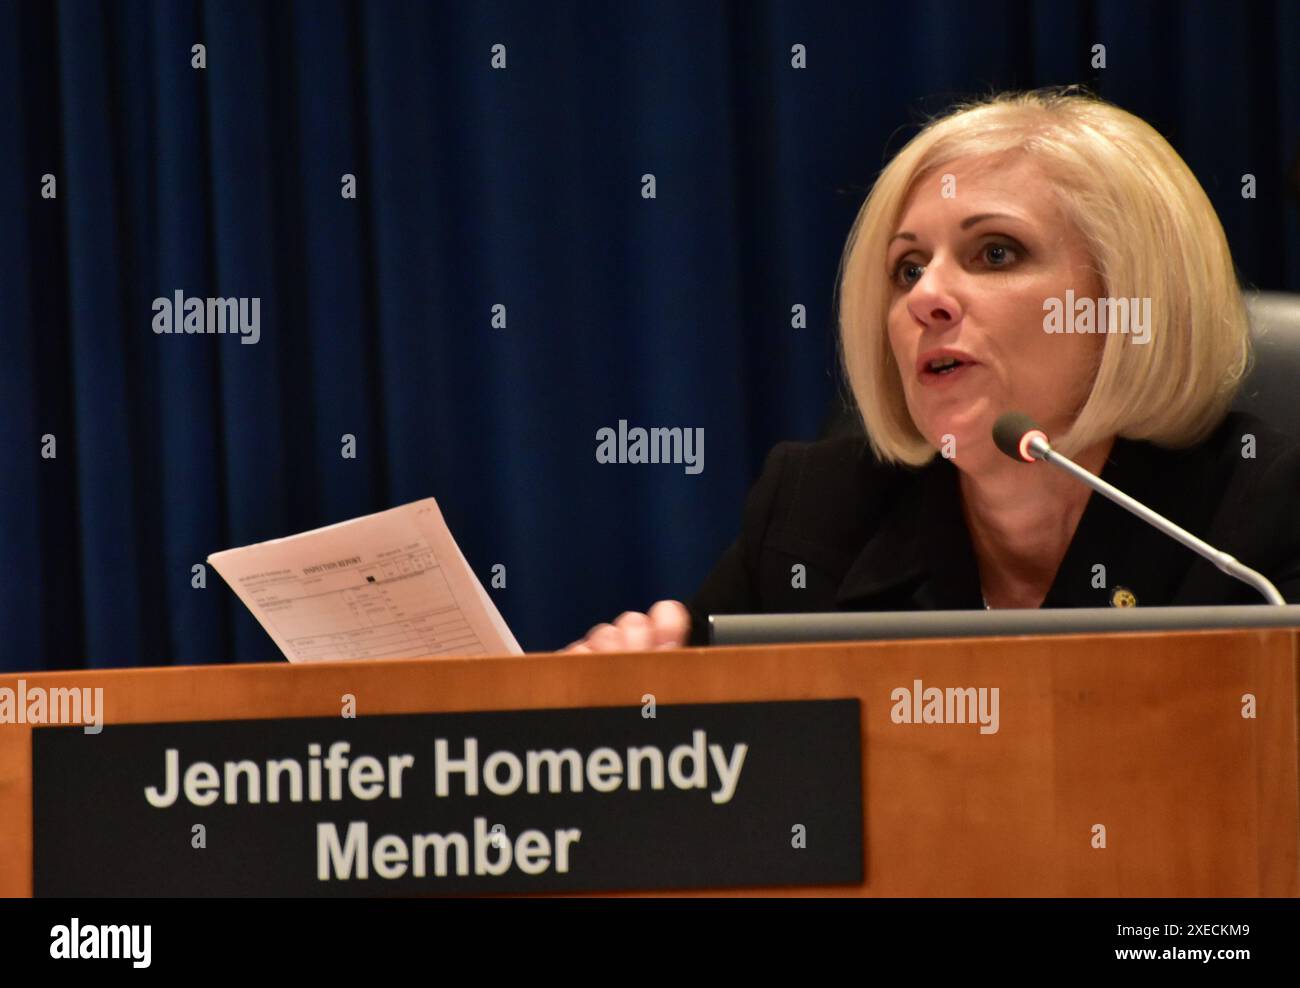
pixel 1012 433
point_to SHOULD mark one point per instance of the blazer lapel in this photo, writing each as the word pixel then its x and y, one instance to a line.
pixel 920 557
pixel 1113 550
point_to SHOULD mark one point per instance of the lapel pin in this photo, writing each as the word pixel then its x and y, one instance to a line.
pixel 1122 597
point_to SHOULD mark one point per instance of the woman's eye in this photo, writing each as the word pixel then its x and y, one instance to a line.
pixel 999 255
pixel 907 273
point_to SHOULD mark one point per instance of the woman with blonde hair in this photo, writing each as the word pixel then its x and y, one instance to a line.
pixel 1046 253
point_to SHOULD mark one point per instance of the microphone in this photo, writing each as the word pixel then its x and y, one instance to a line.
pixel 1017 435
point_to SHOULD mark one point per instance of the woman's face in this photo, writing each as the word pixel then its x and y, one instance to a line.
pixel 972 261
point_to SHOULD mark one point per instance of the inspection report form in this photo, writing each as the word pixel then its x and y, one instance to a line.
pixel 388 585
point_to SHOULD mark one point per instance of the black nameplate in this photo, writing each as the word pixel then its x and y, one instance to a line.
pixel 623 801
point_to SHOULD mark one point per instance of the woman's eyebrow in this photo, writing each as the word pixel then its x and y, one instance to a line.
pixel 970 221
pixel 965 224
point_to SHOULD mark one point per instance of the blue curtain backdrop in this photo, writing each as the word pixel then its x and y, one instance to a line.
pixel 476 187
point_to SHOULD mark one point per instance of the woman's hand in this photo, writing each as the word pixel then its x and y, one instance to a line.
pixel 665 625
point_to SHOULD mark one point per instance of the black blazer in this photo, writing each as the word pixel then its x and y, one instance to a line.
pixel 877 537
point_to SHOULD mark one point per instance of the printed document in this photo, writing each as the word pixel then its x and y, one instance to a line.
pixel 383 586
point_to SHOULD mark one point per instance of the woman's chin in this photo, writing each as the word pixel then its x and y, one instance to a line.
pixel 951 436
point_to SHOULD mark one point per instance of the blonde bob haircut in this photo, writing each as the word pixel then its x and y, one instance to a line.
pixel 1152 234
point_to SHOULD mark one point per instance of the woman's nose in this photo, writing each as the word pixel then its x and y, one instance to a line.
pixel 931 300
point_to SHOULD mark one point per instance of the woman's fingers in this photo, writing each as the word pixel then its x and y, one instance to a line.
pixel 638 633
pixel 604 638
pixel 667 625
pixel 672 623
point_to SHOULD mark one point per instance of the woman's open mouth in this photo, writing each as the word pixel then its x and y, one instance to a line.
pixel 943 367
